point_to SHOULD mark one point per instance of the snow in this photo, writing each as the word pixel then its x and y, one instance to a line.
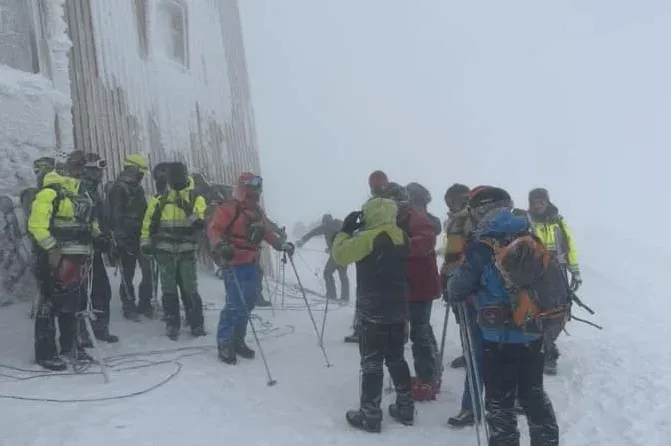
pixel 612 387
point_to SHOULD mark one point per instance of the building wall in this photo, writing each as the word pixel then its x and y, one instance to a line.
pixel 166 78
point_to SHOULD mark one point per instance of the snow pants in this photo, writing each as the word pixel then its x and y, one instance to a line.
pixel 101 294
pixel 378 344
pixel 476 338
pixel 424 345
pixel 59 301
pixel 179 277
pixel 329 269
pixel 129 258
pixel 516 370
pixel 234 317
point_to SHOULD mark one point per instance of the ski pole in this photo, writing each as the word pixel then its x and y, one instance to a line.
pixel 271 382
pixel 88 315
pixel 284 275
pixel 312 318
pixel 441 356
pixel 469 371
pixel 272 306
pixel 326 312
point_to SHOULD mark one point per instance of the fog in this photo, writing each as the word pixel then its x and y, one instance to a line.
pixel 571 95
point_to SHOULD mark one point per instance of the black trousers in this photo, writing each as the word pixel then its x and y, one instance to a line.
pixel 101 294
pixel 516 370
pixel 424 346
pixel 129 258
pixel 378 344
pixel 330 269
pixel 56 304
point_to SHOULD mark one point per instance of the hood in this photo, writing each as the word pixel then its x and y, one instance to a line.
pixel 52 178
pixel 501 223
pixel 551 214
pixel 68 183
pixel 379 212
pixel 191 184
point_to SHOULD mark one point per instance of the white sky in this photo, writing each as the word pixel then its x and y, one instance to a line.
pixel 574 95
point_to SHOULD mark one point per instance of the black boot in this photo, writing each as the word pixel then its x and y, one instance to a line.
pixel 172 331
pixel 458 363
pixel 550 367
pixel 404 414
pixel 198 331
pixel 227 353
pixel 368 423
pixel 352 339
pixel 462 419
pixel 131 314
pixel 55 364
pixel 106 336
pixel 144 308
pixel 194 316
pixel 261 302
pixel 77 354
pixel 243 350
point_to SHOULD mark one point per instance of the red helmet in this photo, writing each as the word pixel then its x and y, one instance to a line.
pixel 377 181
pixel 249 186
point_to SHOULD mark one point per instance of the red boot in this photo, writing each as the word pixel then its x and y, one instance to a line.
pixel 421 391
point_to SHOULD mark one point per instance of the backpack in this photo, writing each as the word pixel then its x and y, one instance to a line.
pixel 536 283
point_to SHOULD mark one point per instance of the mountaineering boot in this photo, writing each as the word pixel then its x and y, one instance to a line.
pixel 458 362
pixel 131 314
pixel 261 302
pixel 360 420
pixel 172 331
pixel 462 419
pixel 227 353
pixel 144 308
pixel 55 364
pixel 352 339
pixel 404 414
pixel 550 366
pixel 243 350
pixel 78 354
pixel 198 331
pixel 106 336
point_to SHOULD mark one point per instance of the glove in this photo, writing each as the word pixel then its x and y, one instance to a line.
pixel 352 222
pixel 55 257
pixel 576 281
pixel 300 243
pixel 223 253
pixel 289 248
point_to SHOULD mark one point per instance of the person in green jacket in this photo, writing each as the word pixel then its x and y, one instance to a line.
pixel 380 250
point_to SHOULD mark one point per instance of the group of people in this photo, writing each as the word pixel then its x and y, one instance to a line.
pixel 77 229
pixel 392 240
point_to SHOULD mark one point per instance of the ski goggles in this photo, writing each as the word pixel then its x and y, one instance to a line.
pixel 99 164
pixel 255 182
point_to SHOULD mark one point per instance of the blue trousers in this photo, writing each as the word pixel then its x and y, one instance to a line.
pixel 476 339
pixel 234 318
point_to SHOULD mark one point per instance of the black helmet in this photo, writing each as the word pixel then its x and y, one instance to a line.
pixel 487 198
pixel 539 193
pixel 396 192
pixel 418 194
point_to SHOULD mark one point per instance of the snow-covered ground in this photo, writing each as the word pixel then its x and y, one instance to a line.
pixel 612 387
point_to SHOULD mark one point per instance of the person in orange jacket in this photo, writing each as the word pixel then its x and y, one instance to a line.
pixel 235 232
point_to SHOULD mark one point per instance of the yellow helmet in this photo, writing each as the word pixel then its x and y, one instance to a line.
pixel 138 161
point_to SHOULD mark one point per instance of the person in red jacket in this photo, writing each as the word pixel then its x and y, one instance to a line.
pixel 424 282
pixel 235 232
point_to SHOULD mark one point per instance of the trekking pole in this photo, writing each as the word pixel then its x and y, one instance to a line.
pixel 284 275
pixel 272 306
pixel 89 315
pixel 463 328
pixel 441 355
pixel 312 318
pixel 271 382
pixel 326 312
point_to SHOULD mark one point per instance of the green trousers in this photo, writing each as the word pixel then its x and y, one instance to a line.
pixel 179 277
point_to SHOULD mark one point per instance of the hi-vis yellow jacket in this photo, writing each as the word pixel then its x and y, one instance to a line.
pixel 169 223
pixel 557 237
pixel 61 216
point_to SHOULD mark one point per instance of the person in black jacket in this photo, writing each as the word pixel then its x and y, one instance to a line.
pixel 127 204
pixel 380 250
pixel 329 228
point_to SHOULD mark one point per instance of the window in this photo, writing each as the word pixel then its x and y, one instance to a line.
pixel 173 23
pixel 140 8
pixel 18 43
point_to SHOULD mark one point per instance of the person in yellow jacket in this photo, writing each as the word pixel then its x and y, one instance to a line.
pixel 170 232
pixel 63 226
pixel 552 229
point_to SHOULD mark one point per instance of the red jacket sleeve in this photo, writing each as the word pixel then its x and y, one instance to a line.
pixel 423 235
pixel 221 220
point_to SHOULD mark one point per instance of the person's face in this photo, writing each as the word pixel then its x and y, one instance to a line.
pixel 455 203
pixel 93 174
pixel 539 205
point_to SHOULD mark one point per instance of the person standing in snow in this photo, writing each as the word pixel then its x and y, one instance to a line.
pixel 329 228
pixel 62 223
pixel 512 359
pixel 235 233
pixel 170 229
pixel 126 205
pixel 553 231
pixel 380 250
pixel 423 281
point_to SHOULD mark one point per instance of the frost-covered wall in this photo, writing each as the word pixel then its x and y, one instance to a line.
pixel 35 116
pixel 165 78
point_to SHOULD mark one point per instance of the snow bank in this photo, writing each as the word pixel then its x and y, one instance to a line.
pixel 28 105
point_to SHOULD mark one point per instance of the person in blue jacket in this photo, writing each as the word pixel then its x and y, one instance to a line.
pixel 512 362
